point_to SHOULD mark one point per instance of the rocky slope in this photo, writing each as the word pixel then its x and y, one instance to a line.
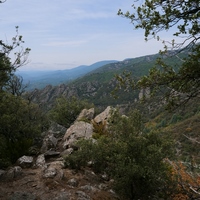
pixel 43 176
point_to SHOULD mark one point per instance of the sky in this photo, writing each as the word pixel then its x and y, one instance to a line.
pixel 64 34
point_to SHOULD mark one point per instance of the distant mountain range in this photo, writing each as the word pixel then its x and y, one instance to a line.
pixel 40 79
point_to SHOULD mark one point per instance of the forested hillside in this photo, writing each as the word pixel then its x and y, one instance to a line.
pixel 101 86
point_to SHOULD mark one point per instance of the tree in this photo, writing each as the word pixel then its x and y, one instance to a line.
pixel 66 110
pixel 21 123
pixel 182 17
pixel 15 86
pixel 8 66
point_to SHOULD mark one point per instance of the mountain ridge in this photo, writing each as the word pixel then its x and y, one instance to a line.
pixel 39 79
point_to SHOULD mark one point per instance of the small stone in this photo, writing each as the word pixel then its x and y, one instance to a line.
pixel 82 195
pixel 50 172
pixel 73 182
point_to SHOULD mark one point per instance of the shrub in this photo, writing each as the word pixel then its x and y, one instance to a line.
pixel 20 123
pixel 135 160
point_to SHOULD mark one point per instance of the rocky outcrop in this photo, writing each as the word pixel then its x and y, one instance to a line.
pixel 44 177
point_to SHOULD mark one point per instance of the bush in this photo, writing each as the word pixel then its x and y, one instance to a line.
pixel 135 160
pixel 20 123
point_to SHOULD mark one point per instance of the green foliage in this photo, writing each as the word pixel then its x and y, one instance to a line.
pixel 135 160
pixel 154 16
pixel 20 122
pixel 66 111
pixel 178 84
pixel 5 70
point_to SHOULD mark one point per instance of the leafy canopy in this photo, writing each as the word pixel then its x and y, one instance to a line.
pixel 66 110
pixel 183 18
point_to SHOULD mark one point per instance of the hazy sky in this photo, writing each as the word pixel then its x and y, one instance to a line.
pixel 64 34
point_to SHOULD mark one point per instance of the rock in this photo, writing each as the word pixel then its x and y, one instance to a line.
pixel 104 116
pixel 2 172
pixel 40 161
pixel 66 152
pixel 12 173
pixel 76 131
pixel 105 177
pixel 49 142
pixel 103 186
pixel 82 195
pixel 50 153
pixel 50 172
pixel 89 188
pixel 73 182
pixel 22 196
pixel 63 196
pixel 86 114
pixel 25 161
pixel 54 170
pixel 57 129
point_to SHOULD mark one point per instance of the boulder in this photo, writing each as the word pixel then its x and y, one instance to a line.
pixel 104 116
pixel 77 131
pixel 25 161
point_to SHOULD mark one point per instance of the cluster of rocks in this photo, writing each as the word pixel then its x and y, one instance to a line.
pixel 45 177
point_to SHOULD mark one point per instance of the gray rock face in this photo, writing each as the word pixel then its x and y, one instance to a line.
pixel 103 116
pixel 86 114
pixel 25 161
pixel 78 130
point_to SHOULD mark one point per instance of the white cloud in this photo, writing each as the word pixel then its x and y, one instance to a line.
pixel 65 43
